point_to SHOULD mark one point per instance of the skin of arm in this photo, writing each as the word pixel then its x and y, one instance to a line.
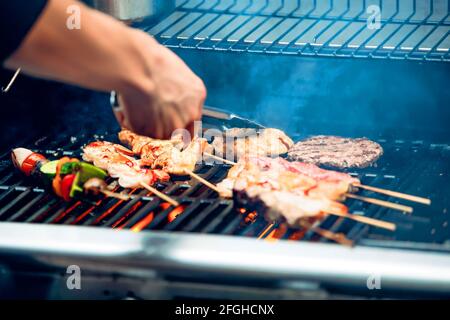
pixel 158 91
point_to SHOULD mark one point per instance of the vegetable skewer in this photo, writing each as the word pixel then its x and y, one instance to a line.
pixel 69 178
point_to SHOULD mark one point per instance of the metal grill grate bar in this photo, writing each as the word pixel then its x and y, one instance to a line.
pixel 409 29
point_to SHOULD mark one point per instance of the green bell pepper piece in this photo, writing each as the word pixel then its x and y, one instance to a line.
pixel 85 172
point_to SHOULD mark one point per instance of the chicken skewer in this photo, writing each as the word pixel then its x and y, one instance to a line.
pixel 357 184
pixel 119 163
pixel 268 180
pixel 172 155
pixel 167 154
pixel 336 184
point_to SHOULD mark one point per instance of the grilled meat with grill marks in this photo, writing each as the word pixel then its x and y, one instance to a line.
pixel 117 161
pixel 285 206
pixel 285 190
pixel 336 152
pixel 280 174
pixel 238 142
pixel 171 156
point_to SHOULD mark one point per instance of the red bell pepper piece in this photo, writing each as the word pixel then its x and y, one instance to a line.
pixel 66 186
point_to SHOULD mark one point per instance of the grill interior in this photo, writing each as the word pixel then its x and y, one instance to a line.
pixel 409 30
pixel 414 167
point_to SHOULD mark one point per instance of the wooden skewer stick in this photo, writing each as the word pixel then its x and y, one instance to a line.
pixel 160 194
pixel 370 221
pixel 232 163
pixel 394 193
pixel 338 237
pixel 381 203
pixel 116 195
pixel 202 180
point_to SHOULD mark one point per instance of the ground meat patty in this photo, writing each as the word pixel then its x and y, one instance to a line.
pixel 336 152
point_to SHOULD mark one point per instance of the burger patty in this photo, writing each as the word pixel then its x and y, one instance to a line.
pixel 336 151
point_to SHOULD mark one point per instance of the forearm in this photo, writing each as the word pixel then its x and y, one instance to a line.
pixel 103 54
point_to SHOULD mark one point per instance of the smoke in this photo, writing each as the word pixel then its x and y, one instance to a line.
pixel 325 95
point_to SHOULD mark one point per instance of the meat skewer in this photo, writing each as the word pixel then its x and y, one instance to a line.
pixel 119 163
pixel 172 155
pixel 287 192
pixel 167 154
pixel 357 184
pixel 295 206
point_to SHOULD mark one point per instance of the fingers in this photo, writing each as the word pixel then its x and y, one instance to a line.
pixel 173 98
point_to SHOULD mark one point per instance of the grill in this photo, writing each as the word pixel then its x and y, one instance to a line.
pixel 413 30
pixel 210 247
pixel 201 211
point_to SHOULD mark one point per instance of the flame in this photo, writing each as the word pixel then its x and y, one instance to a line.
pixel 297 235
pixel 143 223
pixel 272 236
pixel 128 213
pixel 149 218
pixel 251 217
pixel 175 212
pixel 164 205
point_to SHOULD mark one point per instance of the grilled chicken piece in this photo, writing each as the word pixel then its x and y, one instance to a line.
pixel 138 142
pixel 238 142
pixel 117 161
pixel 279 174
pixel 283 205
pixel 171 156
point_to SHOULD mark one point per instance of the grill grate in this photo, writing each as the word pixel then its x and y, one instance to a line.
pixel 409 29
pixel 413 167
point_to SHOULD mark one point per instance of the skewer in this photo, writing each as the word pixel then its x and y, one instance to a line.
pixel 391 193
pixel 202 180
pixel 232 163
pixel 381 203
pixel 8 86
pixel 362 219
pixel 338 237
pixel 394 193
pixel 160 194
pixel 370 221
pixel 116 195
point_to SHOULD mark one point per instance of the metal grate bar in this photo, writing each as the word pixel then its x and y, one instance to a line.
pixel 324 28
pixel 142 212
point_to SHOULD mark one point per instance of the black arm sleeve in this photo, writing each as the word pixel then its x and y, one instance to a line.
pixel 16 19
